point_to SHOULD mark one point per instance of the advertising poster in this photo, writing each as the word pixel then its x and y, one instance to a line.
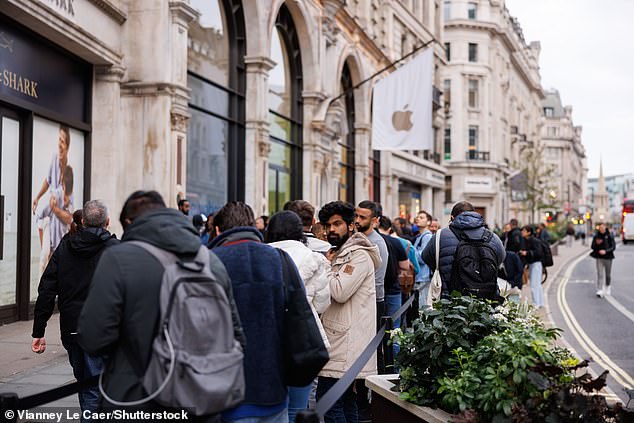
pixel 57 189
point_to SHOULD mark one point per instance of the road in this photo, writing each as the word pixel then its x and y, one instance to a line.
pixel 599 328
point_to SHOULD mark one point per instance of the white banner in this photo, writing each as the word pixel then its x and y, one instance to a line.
pixel 402 107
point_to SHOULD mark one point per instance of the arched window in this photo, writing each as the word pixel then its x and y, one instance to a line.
pixel 217 79
pixel 347 140
pixel 285 114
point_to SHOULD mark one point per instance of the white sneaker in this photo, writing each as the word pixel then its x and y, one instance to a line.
pixel 600 293
pixel 608 290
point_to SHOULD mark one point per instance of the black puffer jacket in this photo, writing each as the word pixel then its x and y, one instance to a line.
pixel 120 316
pixel 603 241
pixel 472 225
pixel 67 276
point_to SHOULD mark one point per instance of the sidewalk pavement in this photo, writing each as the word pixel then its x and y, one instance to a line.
pixel 24 372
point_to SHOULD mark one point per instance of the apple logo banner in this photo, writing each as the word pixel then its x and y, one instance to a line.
pixel 402 106
pixel 402 119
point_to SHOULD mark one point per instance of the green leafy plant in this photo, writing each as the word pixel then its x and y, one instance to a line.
pixel 494 364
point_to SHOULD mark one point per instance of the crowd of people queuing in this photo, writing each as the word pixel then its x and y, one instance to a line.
pixel 349 258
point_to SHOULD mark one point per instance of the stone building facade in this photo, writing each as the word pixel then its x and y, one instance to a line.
pixel 493 97
pixel 563 150
pixel 214 100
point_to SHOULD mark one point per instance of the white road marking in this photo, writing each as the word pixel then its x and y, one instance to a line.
pixel 617 305
pixel 584 340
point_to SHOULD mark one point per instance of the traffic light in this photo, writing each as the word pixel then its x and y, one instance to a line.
pixel 587 215
pixel 549 217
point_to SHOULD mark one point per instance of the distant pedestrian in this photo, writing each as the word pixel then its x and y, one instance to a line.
pixel 68 277
pixel 603 247
pixel 306 213
pixel 434 226
pixel 261 223
pixel 423 278
pixel 542 233
pixel 531 255
pixel 570 234
pixel 184 206
pixel 513 237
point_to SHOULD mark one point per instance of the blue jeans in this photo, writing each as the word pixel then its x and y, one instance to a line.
pixel 84 366
pixel 297 400
pixel 392 303
pixel 535 277
pixel 345 409
pixel 281 417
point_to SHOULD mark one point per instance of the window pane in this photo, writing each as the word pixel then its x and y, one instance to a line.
pixel 447 10
pixel 280 155
pixel 206 162
pixel 280 127
pixel 447 142
pixel 473 52
pixel 208 96
pixel 472 11
pixel 448 51
pixel 279 77
pixel 473 93
pixel 9 161
pixel 208 45
pixel 272 191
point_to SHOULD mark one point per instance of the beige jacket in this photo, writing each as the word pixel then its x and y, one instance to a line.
pixel 350 321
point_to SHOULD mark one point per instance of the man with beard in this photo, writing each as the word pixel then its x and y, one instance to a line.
pixel 350 320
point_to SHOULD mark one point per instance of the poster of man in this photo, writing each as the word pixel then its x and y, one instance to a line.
pixel 58 169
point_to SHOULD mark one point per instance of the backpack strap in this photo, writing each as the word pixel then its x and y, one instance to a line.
pixel 438 248
pixel 163 256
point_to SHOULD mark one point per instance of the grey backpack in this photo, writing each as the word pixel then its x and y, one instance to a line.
pixel 196 362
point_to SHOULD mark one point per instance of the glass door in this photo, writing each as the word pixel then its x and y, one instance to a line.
pixel 9 159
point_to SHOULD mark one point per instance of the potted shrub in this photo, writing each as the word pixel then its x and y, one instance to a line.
pixel 483 363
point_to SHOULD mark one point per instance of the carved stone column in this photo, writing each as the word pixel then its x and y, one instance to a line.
pixel 257 141
pixel 109 141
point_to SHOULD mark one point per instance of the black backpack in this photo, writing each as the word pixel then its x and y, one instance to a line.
pixel 547 255
pixel 474 270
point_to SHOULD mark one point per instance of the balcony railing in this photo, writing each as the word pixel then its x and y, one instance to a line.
pixel 478 156
pixel 429 155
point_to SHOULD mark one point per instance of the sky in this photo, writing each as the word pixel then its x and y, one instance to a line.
pixel 587 54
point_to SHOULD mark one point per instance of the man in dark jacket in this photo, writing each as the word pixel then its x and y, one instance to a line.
pixel 513 237
pixel 121 314
pixel 465 220
pixel 258 287
pixel 67 277
pixel 603 247
pixel 531 255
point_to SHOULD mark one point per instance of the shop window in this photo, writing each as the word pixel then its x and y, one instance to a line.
pixel 217 80
pixel 285 114
pixel 347 140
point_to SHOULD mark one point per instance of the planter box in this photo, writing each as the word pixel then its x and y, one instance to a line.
pixel 387 407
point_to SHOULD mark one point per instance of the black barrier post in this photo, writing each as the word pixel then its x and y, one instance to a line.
pixel 388 350
pixel 9 407
pixel 307 416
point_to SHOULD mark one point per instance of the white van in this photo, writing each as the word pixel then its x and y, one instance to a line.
pixel 628 228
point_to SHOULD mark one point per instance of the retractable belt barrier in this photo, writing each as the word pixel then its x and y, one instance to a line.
pixel 11 401
pixel 337 390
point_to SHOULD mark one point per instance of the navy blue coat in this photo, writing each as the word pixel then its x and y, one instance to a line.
pixel 472 224
pixel 255 270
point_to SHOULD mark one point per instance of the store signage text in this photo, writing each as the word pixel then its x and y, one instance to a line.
pixel 18 83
